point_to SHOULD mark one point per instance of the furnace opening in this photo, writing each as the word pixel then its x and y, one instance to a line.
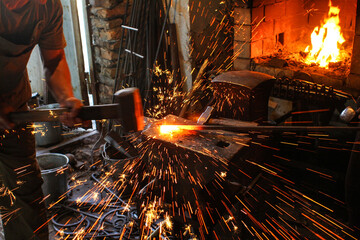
pixel 284 38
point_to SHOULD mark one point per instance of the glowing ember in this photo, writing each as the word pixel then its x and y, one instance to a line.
pixel 172 129
pixel 326 40
pixel 169 129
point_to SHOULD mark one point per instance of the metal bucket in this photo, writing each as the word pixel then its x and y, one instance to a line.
pixel 118 164
pixel 48 133
pixel 53 168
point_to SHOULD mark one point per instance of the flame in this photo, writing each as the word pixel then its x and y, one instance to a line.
pixel 326 40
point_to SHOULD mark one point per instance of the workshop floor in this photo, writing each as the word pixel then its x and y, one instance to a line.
pixel 78 143
pixel 86 192
pixel 73 196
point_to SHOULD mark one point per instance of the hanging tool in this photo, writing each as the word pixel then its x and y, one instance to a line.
pixel 127 108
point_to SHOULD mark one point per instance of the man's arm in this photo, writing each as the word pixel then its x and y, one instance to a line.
pixel 58 78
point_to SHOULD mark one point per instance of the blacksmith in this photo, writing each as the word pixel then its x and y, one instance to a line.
pixel 23 25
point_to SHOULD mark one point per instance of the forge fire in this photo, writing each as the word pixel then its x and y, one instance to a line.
pixel 190 119
pixel 326 40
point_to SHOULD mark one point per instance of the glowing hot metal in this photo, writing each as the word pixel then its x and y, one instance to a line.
pixel 176 129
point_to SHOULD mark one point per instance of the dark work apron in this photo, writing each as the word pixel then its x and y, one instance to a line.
pixel 19 171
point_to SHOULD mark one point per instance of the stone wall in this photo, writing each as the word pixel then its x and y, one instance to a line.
pixel 106 18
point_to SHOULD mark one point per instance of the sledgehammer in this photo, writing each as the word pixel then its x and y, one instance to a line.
pixel 127 108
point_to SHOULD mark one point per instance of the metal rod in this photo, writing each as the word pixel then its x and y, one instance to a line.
pixel 130 28
pixel 118 64
pixel 107 189
pixel 266 128
pixel 161 35
pixel 94 216
pixel 136 54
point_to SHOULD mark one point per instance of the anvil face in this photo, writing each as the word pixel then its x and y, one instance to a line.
pixel 189 159
pixel 186 170
pixel 217 144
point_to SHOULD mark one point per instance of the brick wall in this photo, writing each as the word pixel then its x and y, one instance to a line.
pixel 287 24
pixel 106 20
pixel 353 80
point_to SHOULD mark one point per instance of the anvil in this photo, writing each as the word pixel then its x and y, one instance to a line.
pixel 184 165
pixel 202 153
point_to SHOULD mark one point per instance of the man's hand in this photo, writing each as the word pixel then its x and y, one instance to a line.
pixel 70 119
pixel 4 121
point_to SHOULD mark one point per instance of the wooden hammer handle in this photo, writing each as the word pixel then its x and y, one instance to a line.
pixel 98 112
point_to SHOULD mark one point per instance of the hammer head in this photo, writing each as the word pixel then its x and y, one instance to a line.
pixel 347 114
pixel 130 108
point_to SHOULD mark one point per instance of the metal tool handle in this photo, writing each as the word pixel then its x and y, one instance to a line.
pixel 98 112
